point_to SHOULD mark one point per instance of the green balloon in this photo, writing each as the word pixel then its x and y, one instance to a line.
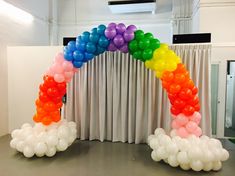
pixel 148 35
pixel 137 55
pixel 144 43
pixel 154 44
pixel 139 34
pixel 147 54
pixel 133 46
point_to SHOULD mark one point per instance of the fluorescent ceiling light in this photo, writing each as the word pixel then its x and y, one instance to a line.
pixel 15 13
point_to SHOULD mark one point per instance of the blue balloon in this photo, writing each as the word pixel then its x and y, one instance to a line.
pixel 68 55
pixel 88 56
pixel 94 38
pixel 81 45
pixel 94 31
pixel 90 47
pixel 78 56
pixel 79 39
pixel 85 36
pixel 71 46
pixel 77 64
pixel 100 50
pixel 100 29
pixel 103 41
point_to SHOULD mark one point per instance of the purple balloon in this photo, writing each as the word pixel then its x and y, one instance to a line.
pixel 124 48
pixel 110 32
pixel 132 28
pixel 118 40
pixel 112 25
pixel 112 47
pixel 128 35
pixel 121 28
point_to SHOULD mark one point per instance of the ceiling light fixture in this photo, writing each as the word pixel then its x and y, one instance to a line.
pixel 15 13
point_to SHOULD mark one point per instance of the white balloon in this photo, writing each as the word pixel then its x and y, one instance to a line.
pixel 52 132
pixel 62 145
pixel 225 155
pixel 154 144
pixel 73 131
pixel 20 146
pixel 207 166
pixel 28 152
pixel 172 148
pixel 39 127
pixel 14 142
pixel 15 133
pixel 195 153
pixel 217 165
pixel 154 156
pixel 204 138
pixel 172 160
pixel 70 139
pixel 164 140
pixel 173 133
pixel 216 153
pixel 184 145
pixel 182 157
pixel 26 125
pixel 207 156
pixel 30 140
pixel 51 151
pixel 162 153
pixel 159 131
pixel 166 160
pixel 72 124
pixel 52 140
pixel 196 165
pixel 40 149
pixel 42 136
pixel 150 137
pixel 185 166
pixel 63 132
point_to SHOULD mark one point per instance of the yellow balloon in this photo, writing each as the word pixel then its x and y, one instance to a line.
pixel 149 64
pixel 158 53
pixel 160 65
pixel 164 46
pixel 158 74
pixel 171 66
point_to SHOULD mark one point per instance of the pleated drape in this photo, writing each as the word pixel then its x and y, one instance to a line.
pixel 114 97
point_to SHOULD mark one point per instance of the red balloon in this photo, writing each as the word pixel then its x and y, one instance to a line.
pixel 167 76
pixel 165 85
pixel 36 118
pixel 53 92
pixel 39 103
pixel 55 116
pixel 41 111
pixel 193 101
pixel 59 105
pixel 178 103
pixel 175 110
pixel 174 88
pixel 189 84
pixel 57 99
pixel 172 97
pixel 194 90
pixel 179 78
pixel 49 81
pixel 185 94
pixel 197 107
pixel 49 106
pixel 43 88
pixel 43 97
pixel 188 110
pixel 180 68
pixel 61 86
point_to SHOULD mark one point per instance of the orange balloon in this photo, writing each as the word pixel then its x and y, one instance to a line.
pixel 49 106
pixel 36 118
pixel 46 121
pixel 167 76
pixel 174 88
pixel 39 103
pixel 179 78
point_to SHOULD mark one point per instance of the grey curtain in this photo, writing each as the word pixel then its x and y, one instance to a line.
pixel 114 97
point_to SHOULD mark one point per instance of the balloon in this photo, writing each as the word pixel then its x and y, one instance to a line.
pixel 62 145
pixel 67 66
pixel 148 35
pixel 174 110
pixel 178 103
pixel 144 43
pixel 68 55
pixel 188 110
pixel 100 29
pixel 90 47
pixel 121 28
pixel 71 46
pixel 175 125
pixel 112 47
pixel 167 76
pixel 46 121
pixel 52 92
pixel 179 78
pixel 172 160
pixel 103 42
pixel 181 119
pixel 51 151
pixel 59 78
pixel 59 58
pixel 118 40
pixel 124 48
pixel 94 38
pixel 131 28
pixel 85 36
pixel 88 56
pixel 49 106
pixel 139 35
pixel 196 117
pixel 196 165
pixel 40 149
pixel 174 88
pixel 99 50
pixel 147 54
pixel 112 25
pixel 185 94
pixel 191 126
pixel 182 132
pixel 154 44
pixel 198 132
pixel 78 56
pixel 94 30
pixel 133 45
pixel 137 54
pixel 81 46
pixel 110 32
pixel 28 152
pixel 128 35
pixel 182 157
pixel 77 64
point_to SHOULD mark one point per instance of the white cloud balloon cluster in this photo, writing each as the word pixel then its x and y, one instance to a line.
pixel 43 140
pixel 196 153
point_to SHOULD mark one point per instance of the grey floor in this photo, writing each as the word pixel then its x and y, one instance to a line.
pixel 93 158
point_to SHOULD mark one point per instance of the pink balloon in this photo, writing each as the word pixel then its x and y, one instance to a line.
pixel 191 126
pixel 198 132
pixel 57 68
pixel 59 78
pixel 75 70
pixel 50 72
pixel 175 125
pixel 67 66
pixel 173 116
pixel 181 119
pixel 182 132
pixel 196 117
pixel 59 58
pixel 68 75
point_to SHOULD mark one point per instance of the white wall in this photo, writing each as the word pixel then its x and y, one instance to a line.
pixel 218 18
pixel 26 66
pixel 76 16
pixel 13 33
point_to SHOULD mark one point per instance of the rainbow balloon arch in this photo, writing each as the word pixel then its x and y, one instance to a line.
pixel 185 146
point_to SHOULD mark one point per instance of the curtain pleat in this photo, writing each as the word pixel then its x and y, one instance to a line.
pixel 114 97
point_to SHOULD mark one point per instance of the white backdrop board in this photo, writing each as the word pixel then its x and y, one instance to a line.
pixel 26 66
